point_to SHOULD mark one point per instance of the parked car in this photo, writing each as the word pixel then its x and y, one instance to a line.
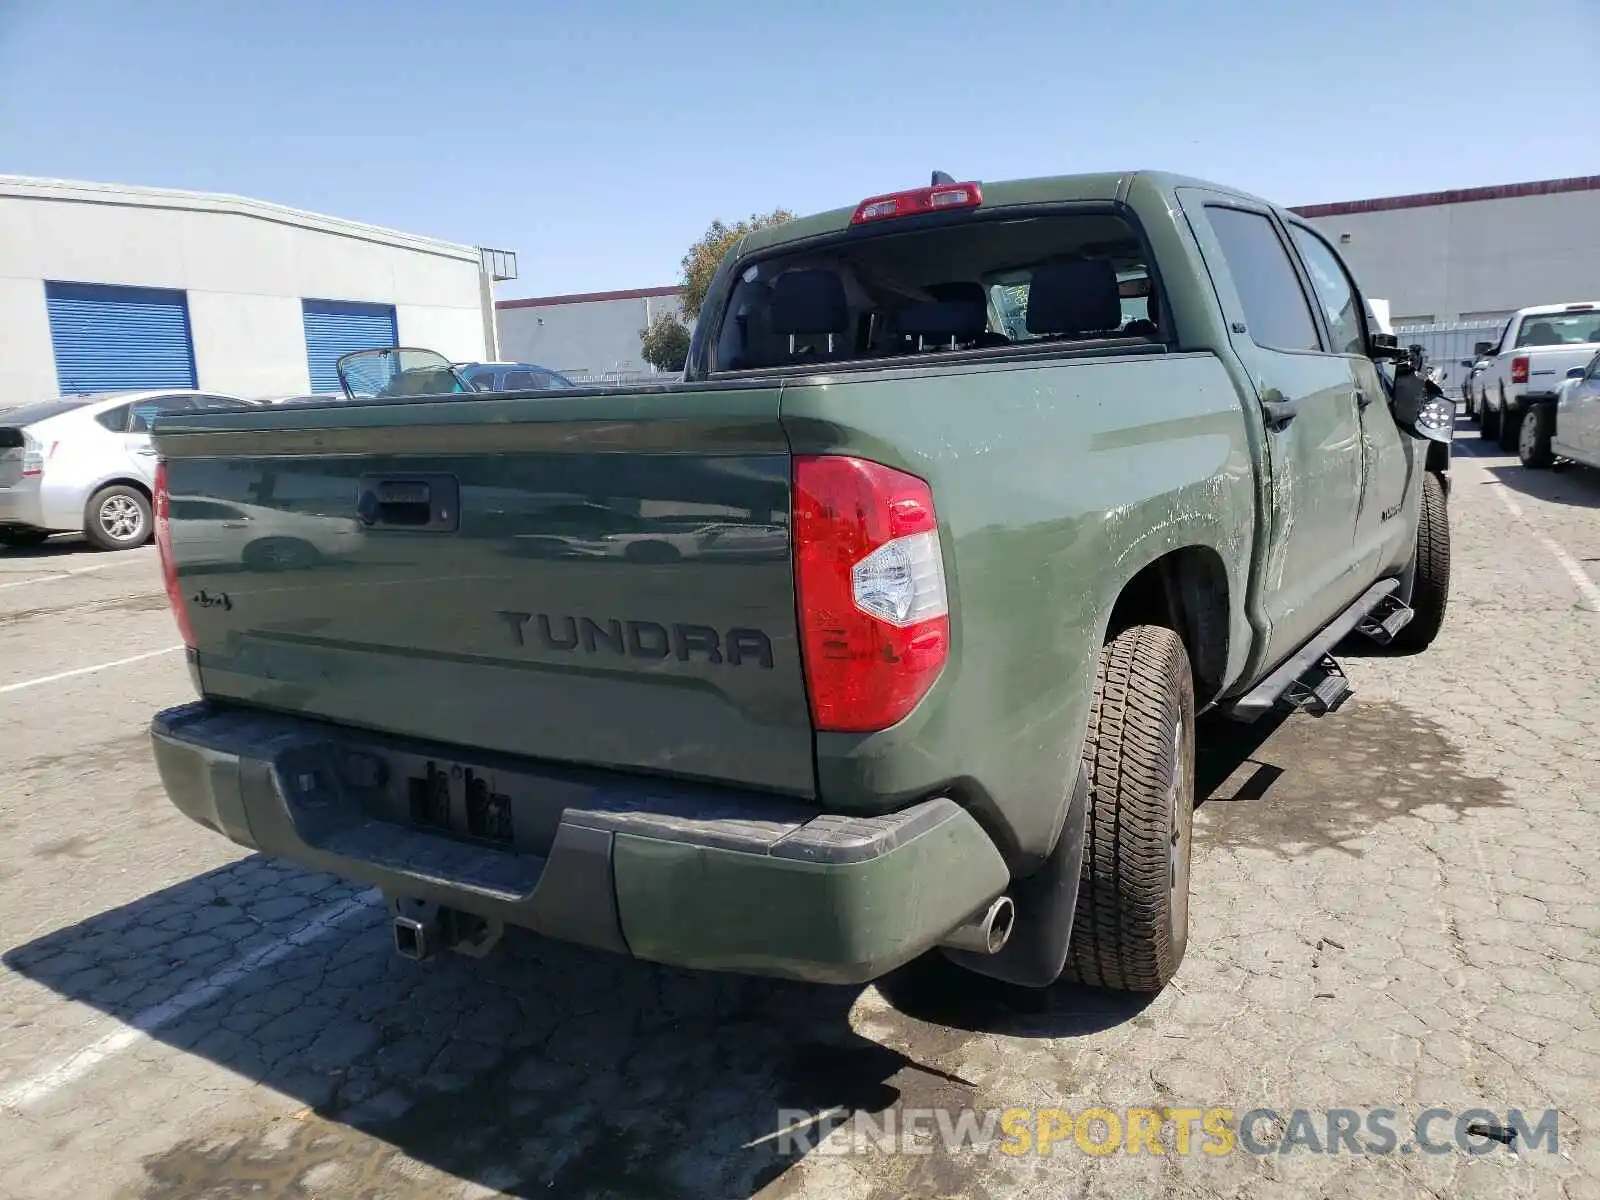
pixel 1567 427
pixel 948 697
pixel 1470 387
pixel 512 377
pixel 259 537
pixel 1536 349
pixel 86 464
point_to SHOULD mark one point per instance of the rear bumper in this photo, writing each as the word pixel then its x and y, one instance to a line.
pixel 21 504
pixel 695 877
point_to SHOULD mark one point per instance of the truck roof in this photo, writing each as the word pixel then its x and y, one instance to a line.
pixel 1545 310
pixel 1044 189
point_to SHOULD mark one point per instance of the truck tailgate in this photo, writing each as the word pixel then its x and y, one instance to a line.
pixel 601 579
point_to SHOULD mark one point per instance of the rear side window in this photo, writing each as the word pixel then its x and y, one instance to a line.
pixel 977 284
pixel 116 419
pixel 520 381
pixel 1275 305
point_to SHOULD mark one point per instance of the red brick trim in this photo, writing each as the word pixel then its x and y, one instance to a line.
pixel 1508 191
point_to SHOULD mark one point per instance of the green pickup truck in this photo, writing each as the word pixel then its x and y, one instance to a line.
pixel 884 631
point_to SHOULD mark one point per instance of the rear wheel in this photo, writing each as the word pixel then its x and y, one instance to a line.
pixel 1430 591
pixel 1533 440
pixel 1510 427
pixel 117 518
pixel 1131 925
pixel 1489 422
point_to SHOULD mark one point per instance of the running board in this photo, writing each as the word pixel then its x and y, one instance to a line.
pixel 1386 620
pixel 1303 680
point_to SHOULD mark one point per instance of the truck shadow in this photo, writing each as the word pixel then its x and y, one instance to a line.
pixel 547 1069
pixel 543 1069
pixel 1572 485
pixel 1293 785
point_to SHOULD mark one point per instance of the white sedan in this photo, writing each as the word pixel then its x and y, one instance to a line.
pixel 86 464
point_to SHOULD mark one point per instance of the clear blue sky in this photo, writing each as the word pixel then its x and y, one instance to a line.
pixel 598 139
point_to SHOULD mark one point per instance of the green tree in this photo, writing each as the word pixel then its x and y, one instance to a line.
pixel 665 343
pixel 701 263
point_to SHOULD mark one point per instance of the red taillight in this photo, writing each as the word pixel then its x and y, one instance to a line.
pixel 169 564
pixel 918 200
pixel 874 613
pixel 1519 369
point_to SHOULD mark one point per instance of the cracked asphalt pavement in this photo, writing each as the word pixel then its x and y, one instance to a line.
pixel 1395 906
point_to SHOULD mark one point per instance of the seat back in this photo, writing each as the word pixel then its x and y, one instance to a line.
pixel 808 304
pixel 1074 298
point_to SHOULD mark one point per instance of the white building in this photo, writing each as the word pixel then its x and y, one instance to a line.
pixel 1472 255
pixel 105 287
pixel 587 336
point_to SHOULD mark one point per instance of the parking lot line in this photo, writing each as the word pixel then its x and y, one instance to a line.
pixel 105 666
pixel 55 576
pixel 1587 588
pixel 78 1064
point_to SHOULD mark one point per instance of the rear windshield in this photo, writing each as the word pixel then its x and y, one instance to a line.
pixel 28 414
pixel 1559 329
pixel 980 284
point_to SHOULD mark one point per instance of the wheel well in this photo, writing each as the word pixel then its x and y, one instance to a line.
pixel 135 484
pixel 1186 591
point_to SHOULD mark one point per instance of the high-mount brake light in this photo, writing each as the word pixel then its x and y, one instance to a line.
pixel 918 200
pixel 162 505
pixel 874 610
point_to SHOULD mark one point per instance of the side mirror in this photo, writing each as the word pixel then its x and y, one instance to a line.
pixel 1386 346
pixel 1483 349
pixel 1577 372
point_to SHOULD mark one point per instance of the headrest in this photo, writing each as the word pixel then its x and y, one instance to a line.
pixel 943 318
pixel 809 302
pixel 965 291
pixel 1074 296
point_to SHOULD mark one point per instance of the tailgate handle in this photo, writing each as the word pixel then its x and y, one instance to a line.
pixel 427 503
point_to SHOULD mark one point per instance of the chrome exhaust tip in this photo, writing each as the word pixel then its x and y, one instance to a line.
pixel 986 933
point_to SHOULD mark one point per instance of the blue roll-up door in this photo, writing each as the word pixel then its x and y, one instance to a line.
pixel 335 327
pixel 109 338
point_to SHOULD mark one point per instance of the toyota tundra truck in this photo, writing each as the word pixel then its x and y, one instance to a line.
pixel 883 632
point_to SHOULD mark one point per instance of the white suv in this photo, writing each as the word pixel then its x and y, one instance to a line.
pixel 86 464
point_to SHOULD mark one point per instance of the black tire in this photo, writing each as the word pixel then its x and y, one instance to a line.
pixel 1510 426
pixel 133 518
pixel 1489 423
pixel 1533 439
pixel 22 538
pixel 1430 589
pixel 1131 925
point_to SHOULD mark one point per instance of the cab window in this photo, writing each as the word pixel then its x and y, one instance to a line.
pixel 1275 308
pixel 1335 293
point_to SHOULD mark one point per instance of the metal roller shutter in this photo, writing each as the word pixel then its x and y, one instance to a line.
pixel 108 338
pixel 335 327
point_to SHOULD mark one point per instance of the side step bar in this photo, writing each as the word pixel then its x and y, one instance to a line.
pixel 1305 680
